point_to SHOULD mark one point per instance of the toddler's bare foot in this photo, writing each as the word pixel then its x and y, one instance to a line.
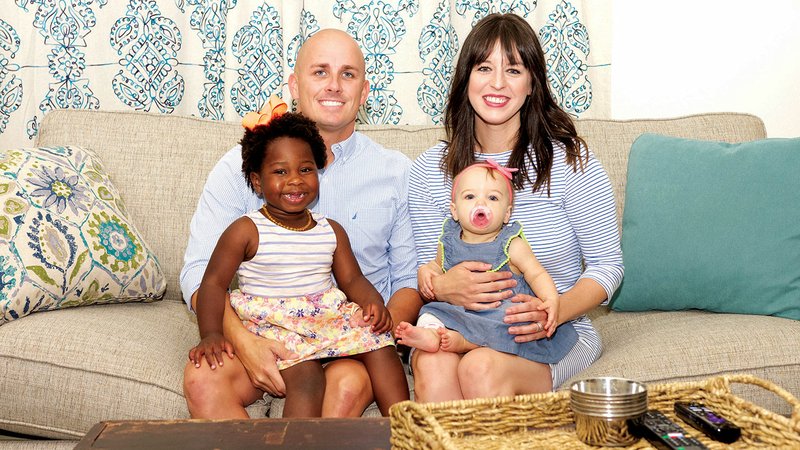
pixel 424 339
pixel 453 341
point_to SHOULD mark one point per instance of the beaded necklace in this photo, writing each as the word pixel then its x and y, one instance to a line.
pixel 305 226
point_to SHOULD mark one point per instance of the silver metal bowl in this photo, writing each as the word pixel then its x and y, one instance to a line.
pixel 607 387
pixel 603 408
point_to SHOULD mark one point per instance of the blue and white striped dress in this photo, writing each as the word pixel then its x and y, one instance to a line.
pixel 575 225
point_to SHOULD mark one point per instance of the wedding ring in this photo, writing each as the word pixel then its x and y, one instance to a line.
pixel 539 326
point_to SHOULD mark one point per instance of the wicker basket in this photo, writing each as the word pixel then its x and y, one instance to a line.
pixel 546 421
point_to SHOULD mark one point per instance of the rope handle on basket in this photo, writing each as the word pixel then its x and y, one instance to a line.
pixel 406 411
pixel 723 382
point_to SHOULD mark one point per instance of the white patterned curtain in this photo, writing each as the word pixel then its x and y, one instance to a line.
pixel 218 59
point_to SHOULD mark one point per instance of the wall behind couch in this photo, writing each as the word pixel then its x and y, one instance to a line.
pixel 687 56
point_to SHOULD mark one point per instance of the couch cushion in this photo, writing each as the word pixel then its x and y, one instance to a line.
pixel 611 140
pixel 713 226
pixel 665 347
pixel 65 235
pixel 63 371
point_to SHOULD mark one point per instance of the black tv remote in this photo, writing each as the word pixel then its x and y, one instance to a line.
pixel 710 423
pixel 664 433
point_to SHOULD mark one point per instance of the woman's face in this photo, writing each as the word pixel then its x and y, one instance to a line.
pixel 497 90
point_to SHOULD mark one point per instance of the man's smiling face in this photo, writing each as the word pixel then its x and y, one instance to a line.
pixel 329 83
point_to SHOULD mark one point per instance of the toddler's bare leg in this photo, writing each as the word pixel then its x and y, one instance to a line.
pixel 305 389
pixel 425 339
pixel 347 388
pixel 453 341
pixel 386 375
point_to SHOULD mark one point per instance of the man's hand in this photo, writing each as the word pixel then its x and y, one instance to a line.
pixel 259 358
pixel 258 355
pixel 468 284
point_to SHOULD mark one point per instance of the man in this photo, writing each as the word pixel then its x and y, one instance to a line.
pixel 329 84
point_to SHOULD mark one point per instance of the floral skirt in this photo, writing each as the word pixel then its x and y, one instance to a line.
pixel 313 326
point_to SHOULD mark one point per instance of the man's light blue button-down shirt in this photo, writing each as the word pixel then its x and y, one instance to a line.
pixel 364 189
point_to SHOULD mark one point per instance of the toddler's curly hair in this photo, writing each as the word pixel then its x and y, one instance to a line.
pixel 255 142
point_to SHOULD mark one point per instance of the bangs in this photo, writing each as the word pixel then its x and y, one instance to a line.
pixel 510 44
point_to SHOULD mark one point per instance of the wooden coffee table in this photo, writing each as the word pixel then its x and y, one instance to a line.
pixel 358 433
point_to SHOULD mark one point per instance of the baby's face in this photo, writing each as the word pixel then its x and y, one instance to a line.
pixel 482 203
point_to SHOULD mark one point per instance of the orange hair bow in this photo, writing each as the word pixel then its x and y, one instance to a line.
pixel 274 108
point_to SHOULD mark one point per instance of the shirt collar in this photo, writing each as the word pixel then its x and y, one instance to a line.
pixel 344 150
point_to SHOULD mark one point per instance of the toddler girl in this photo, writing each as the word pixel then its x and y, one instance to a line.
pixel 482 199
pixel 284 256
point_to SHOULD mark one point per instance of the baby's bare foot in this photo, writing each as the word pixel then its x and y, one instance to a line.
pixel 424 339
pixel 453 341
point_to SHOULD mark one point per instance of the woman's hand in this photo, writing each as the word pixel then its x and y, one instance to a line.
pixel 469 284
pixel 531 320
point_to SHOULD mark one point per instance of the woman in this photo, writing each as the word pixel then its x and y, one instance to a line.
pixel 500 106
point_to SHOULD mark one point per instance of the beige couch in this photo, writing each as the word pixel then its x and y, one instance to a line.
pixel 63 371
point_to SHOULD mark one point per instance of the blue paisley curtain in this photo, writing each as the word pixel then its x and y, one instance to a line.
pixel 218 59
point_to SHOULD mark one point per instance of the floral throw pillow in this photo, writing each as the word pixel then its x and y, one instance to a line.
pixel 65 236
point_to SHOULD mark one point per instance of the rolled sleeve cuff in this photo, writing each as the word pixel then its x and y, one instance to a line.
pixel 190 283
pixel 608 278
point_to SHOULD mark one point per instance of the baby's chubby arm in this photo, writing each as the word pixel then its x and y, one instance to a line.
pixel 355 285
pixel 521 256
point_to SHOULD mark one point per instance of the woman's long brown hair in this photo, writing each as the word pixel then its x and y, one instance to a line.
pixel 541 119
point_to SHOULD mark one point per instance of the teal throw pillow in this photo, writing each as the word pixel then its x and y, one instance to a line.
pixel 65 236
pixel 712 226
